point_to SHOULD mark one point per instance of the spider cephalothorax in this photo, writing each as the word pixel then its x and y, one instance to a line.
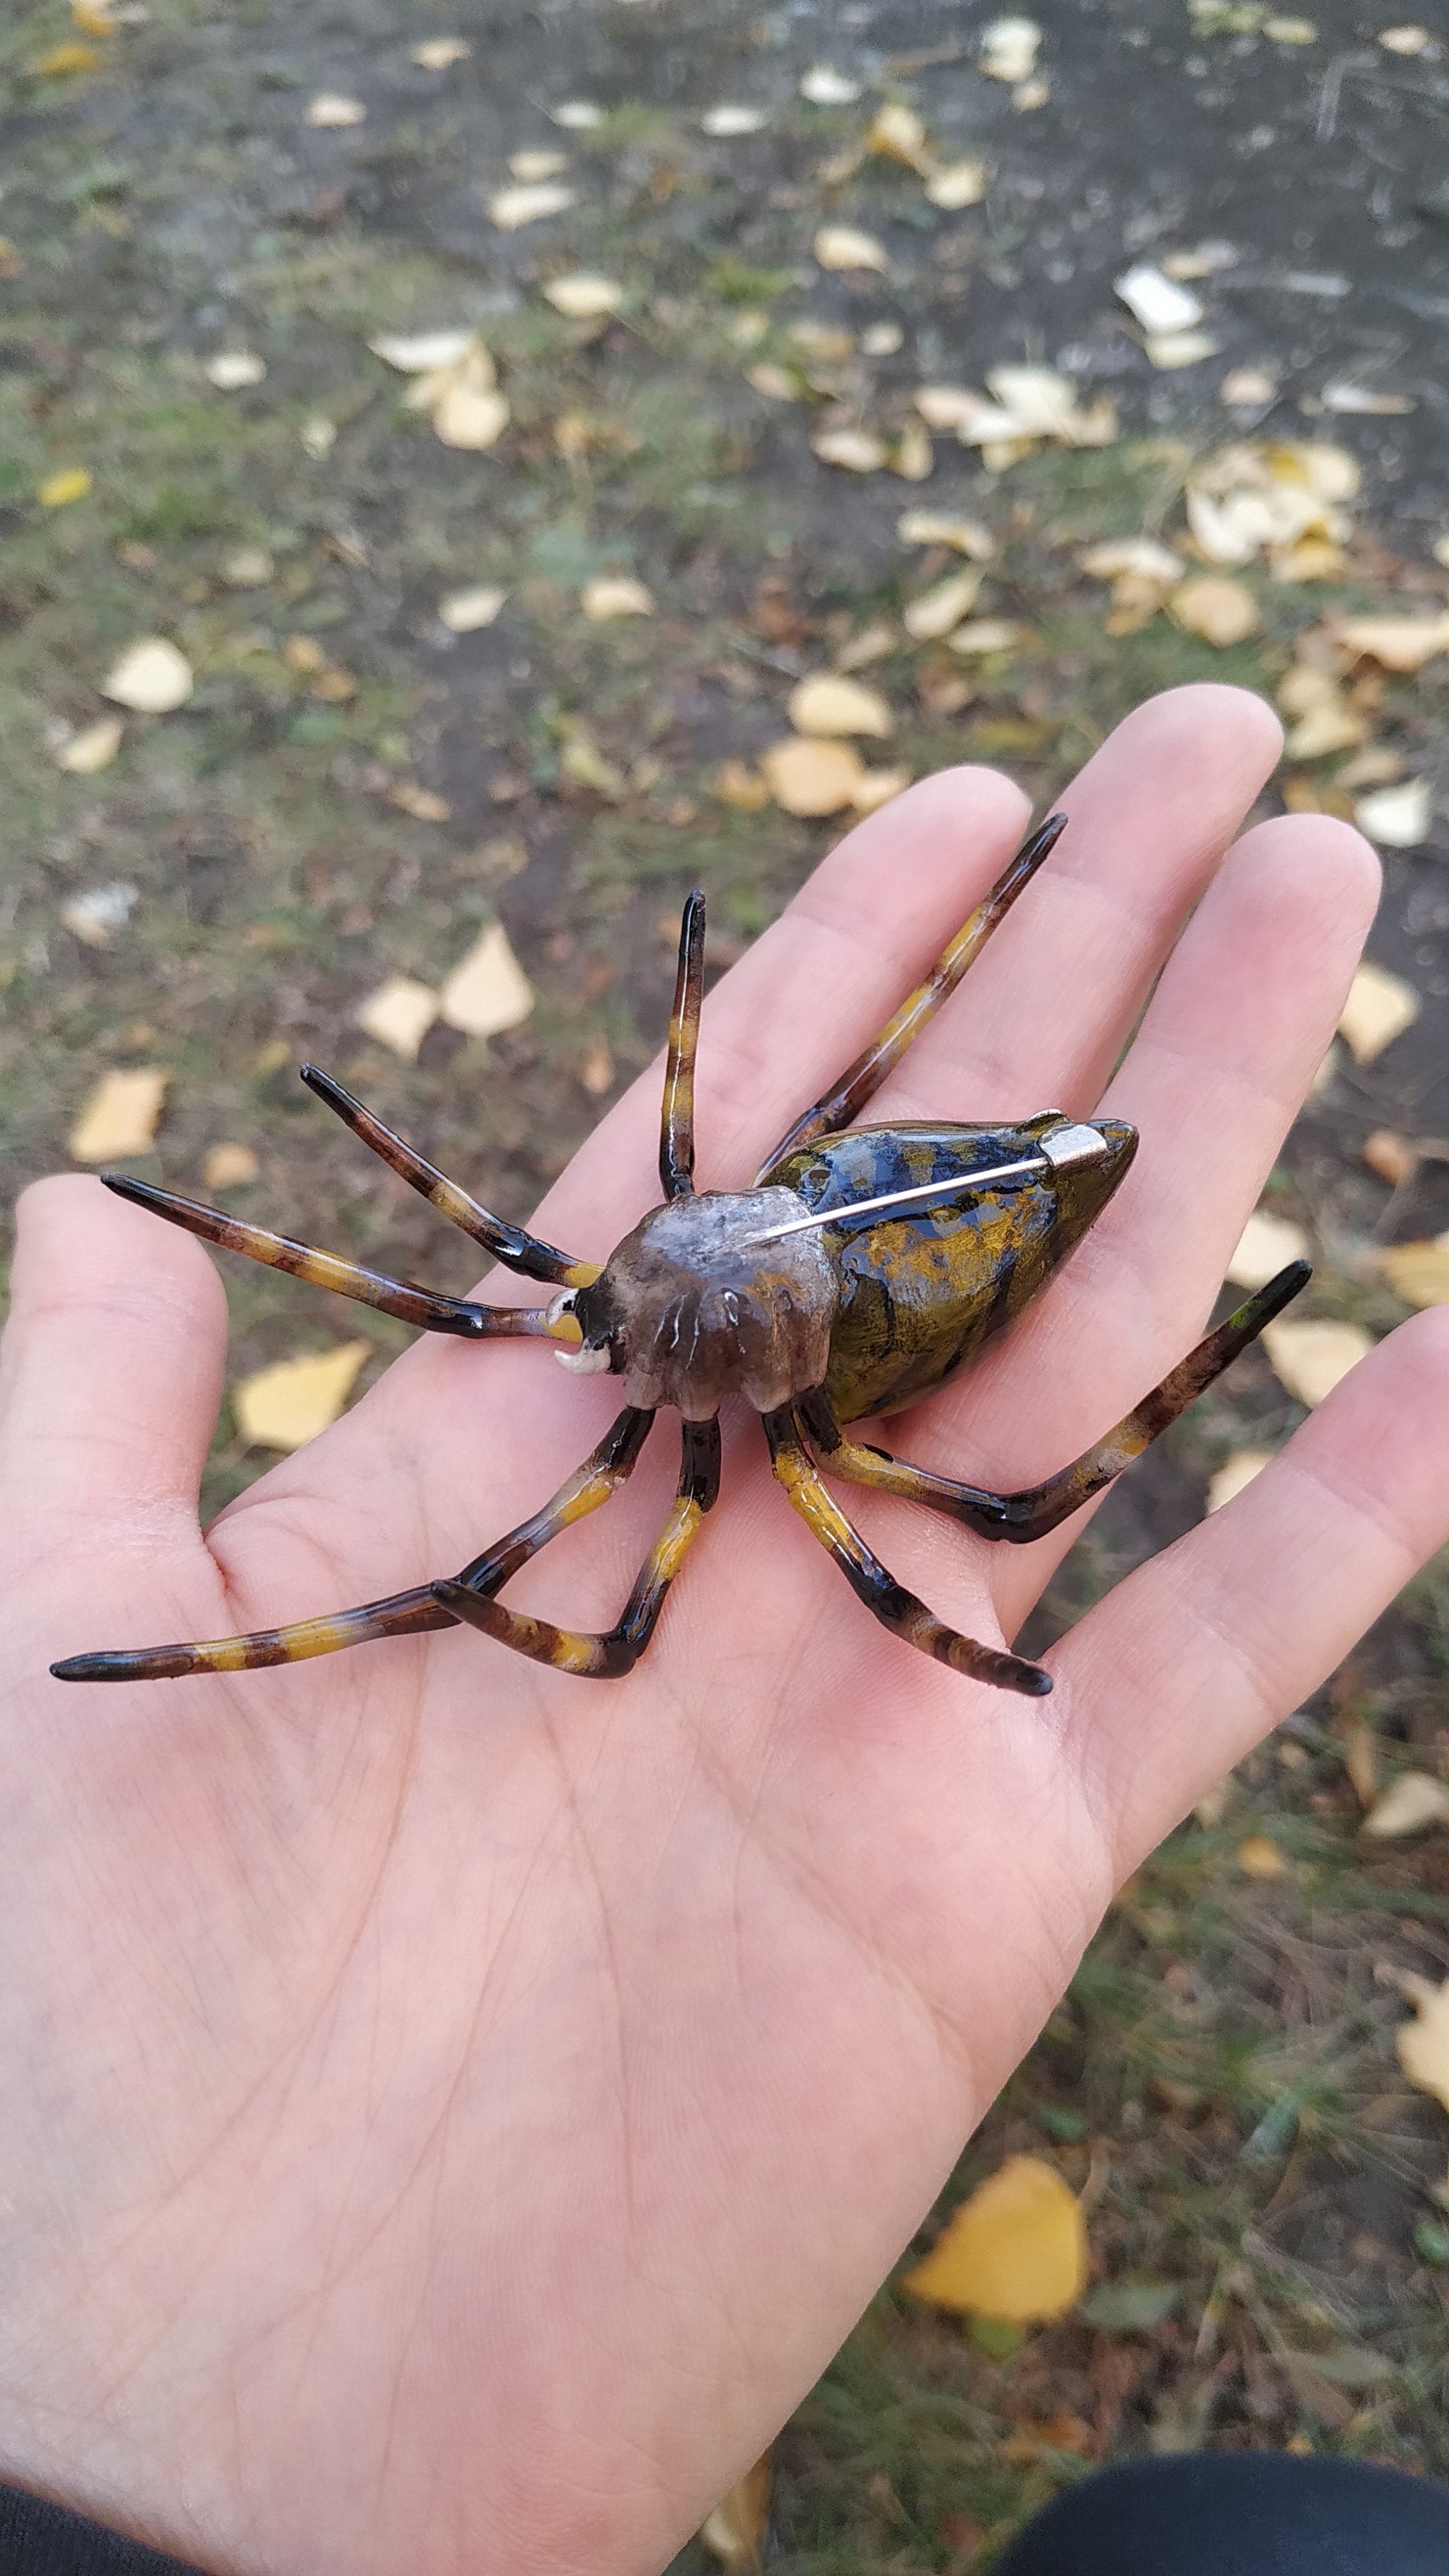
pixel 865 1267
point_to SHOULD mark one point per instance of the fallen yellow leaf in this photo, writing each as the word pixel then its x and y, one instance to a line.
pixel 1331 725
pixel 420 802
pixel 1143 556
pixel 119 1118
pixel 807 776
pixel 841 247
pixel 62 60
pixel 1266 1246
pixel 737 785
pixel 1399 643
pixel 93 748
pixel 1379 1008
pixel 230 1167
pixel 876 787
pixel 1234 1474
pixel 616 595
pixel 464 611
pixel 230 370
pixel 936 611
pixel 934 528
pixel 423 353
pixel 827 705
pixel 1423 2045
pixel 898 132
pixel 1016 2250
pixel 583 762
pixel 441 52
pixel 71 485
pixel 248 568
pixel 1398 817
pixel 510 208
pixel 150 676
pixel 584 297
pixel 96 916
pixel 286 1405
pixel 1416 1799
pixel 869 645
pixel 984 635
pixel 487 990
pixel 954 184
pixel 470 412
pixel 330 107
pixel 1222 612
pixel 1392 1156
pixel 399 1015
pixel 775 383
pixel 597 1070
pixel 1260 1857
pixel 92 19
pixel 859 451
pixel 1310 1359
pixel 538 165
pixel 1009 49
pixel 1418 1272
pixel 735 2531
pixel 915 458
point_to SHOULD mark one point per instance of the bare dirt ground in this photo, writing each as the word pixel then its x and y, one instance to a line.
pixel 352 791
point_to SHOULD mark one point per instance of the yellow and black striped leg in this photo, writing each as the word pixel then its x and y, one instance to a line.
pixel 411 1305
pixel 1039 1509
pixel 615 1652
pixel 402 1614
pixel 507 1243
pixel 863 1079
pixel 896 1609
pixel 676 1138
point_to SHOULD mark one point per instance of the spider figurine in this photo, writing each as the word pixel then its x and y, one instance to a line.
pixel 864 1268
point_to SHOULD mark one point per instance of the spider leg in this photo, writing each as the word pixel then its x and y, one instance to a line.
pixel 402 1614
pixel 607 1657
pixel 507 1243
pixel 862 1080
pixel 676 1139
pixel 1038 1509
pixel 412 1305
pixel 896 1609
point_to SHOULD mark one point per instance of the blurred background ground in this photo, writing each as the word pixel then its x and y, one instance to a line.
pixel 354 788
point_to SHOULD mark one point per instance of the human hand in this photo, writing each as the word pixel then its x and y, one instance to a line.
pixel 454 2111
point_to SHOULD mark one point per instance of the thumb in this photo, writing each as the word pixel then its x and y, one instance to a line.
pixel 110 1372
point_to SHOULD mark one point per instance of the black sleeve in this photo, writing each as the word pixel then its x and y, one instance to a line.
pixel 39 2539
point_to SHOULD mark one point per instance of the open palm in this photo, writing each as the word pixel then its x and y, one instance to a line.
pixel 454 2109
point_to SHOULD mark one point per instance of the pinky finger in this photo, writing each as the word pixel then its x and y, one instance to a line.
pixel 1183 1668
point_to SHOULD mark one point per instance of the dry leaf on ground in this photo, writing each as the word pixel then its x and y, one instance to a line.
pixel 583 297
pixel 824 86
pixel 464 611
pixel 1143 556
pixel 230 1167
pixel 876 787
pixel 248 568
pixel 827 705
pixel 119 1117
pixel 1418 1272
pixel 1009 48
pixel 93 748
pixel 1260 1857
pixel 937 610
pixel 1310 1359
pixel 897 132
pixel 420 802
pixel 616 595
pixel 1168 350
pixel 739 786
pixel 318 436
pixel 509 209
pixel 985 635
pixel 954 184
pixel 1415 1800
pixel 151 676
pixel 842 247
pixel 735 2531
pixel 936 528
pixel 399 1015
pixel 1159 303
pixel 487 991
pixel 232 369
pixel 1016 2250
pixel 859 451
pixel 96 916
pixel 869 645
pixel 775 383
pixel 441 52
pixel 1234 1473
pixel 58 490
pixel 1423 2045
pixel 806 776
pixel 286 1405
pixel 728 119
pixel 576 115
pixel 330 107
pixel 1392 1156
pixel 1398 818
pixel 1222 612
pixel 533 165
pixel 1267 1244
pixel 423 353
pixel 915 458
pixel 583 762
pixel 1399 643
pixel 1379 1008
pixel 468 409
